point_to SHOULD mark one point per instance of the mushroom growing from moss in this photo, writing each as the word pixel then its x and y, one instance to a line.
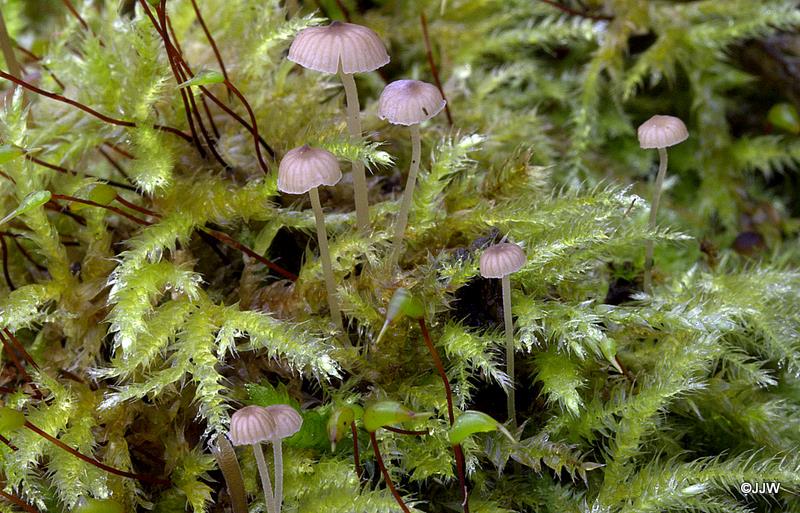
pixel 409 103
pixel 346 49
pixel 658 132
pixel 500 261
pixel 287 422
pixel 302 170
pixel 252 425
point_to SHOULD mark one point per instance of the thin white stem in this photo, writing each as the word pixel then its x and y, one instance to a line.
pixel 405 207
pixel 263 471
pixel 325 258
pixel 359 174
pixel 277 458
pixel 509 325
pixel 648 259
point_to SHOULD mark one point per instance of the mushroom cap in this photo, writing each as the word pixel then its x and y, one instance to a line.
pixel 357 48
pixel 501 260
pixel 305 167
pixel 287 420
pixel 662 132
pixel 409 102
pixel 251 425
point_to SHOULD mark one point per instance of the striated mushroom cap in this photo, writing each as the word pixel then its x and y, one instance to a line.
pixel 409 102
pixel 501 260
pixel 251 425
pixel 305 167
pixel 662 132
pixel 287 420
pixel 357 48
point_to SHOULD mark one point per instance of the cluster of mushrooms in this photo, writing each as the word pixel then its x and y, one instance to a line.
pixel 345 49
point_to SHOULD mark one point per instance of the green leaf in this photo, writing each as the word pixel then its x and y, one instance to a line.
pixel 9 153
pixel 385 413
pixel 99 506
pixel 10 420
pixel 29 202
pixel 471 422
pixel 204 77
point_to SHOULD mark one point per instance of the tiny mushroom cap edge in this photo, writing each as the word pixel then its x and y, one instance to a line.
pixel 501 260
pixel 662 132
pixel 287 420
pixel 305 168
pixel 356 48
pixel 409 102
pixel 251 425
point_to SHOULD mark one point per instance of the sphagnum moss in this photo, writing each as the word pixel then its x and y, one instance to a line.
pixel 131 330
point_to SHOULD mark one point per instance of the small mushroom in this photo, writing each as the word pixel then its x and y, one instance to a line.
pixel 287 422
pixel 344 48
pixel 658 132
pixel 408 103
pixel 252 425
pixel 500 261
pixel 302 170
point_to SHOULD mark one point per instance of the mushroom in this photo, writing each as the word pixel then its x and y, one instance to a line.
pixel 499 261
pixel 345 49
pixel 409 103
pixel 287 422
pixel 658 132
pixel 302 170
pixel 252 425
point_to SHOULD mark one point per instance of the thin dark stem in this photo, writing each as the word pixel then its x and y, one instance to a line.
pixel 386 476
pixel 19 502
pixel 573 12
pixel 435 72
pixel 6 274
pixel 92 461
pixel 253 122
pixel 12 355
pixel 25 355
pixel 25 253
pixel 38 59
pixel 102 117
pixel 116 210
pixel 52 205
pixel 437 361
pixel 401 431
pixel 119 150
pixel 462 478
pixel 3 439
pixel 114 163
pixel 64 170
pixel 75 13
pixel 133 206
pixel 345 11
pixel 7 177
pixel 229 241
pixel 356 455
pixel 250 128
pixel 211 41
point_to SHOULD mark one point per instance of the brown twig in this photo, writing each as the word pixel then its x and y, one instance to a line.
pixel 386 476
pixel 88 110
pixel 229 241
pixel 6 274
pixel 429 52
pixel 19 502
pixel 563 8
pixel 92 461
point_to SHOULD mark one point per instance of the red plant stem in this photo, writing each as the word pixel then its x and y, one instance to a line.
pixel 19 502
pixel 3 439
pixel 75 13
pixel 6 274
pixel 239 119
pixel 52 205
pixel 573 12
pixel 253 122
pixel 7 177
pixel 457 451
pixel 424 22
pixel 13 357
pixel 92 461
pixel 133 206
pixel 119 150
pixel 114 163
pixel 36 58
pixel 15 341
pixel 404 431
pixel 356 456
pixel 229 241
pixel 116 210
pixel 386 476
pixel 211 41
pixel 86 109
pixel 64 170
pixel 24 252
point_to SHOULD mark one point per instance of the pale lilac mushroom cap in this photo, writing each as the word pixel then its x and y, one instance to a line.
pixel 501 260
pixel 251 425
pixel 662 132
pixel 357 48
pixel 305 168
pixel 409 102
pixel 287 420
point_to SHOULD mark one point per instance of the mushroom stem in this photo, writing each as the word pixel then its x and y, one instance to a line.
pixel 277 457
pixel 229 465
pixel 325 257
pixel 386 476
pixel 509 325
pixel 263 470
pixel 648 259
pixel 405 206
pixel 359 174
